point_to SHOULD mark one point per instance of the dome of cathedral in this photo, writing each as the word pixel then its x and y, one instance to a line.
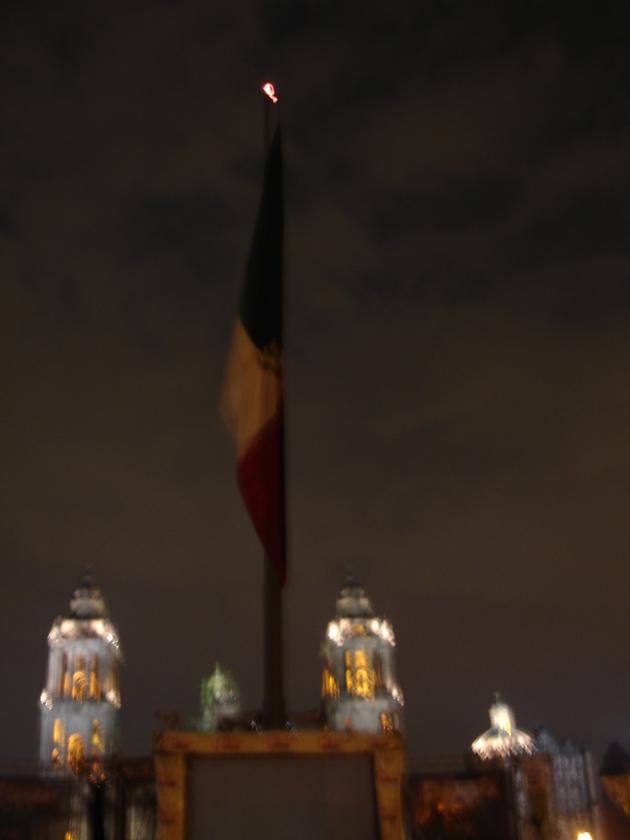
pixel 88 617
pixel 87 601
pixel 503 739
pixel 352 601
pixel 220 698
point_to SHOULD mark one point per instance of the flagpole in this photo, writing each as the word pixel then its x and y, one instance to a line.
pixel 273 705
pixel 274 715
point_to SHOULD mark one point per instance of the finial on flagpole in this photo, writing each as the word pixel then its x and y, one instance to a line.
pixel 271 97
pixel 270 91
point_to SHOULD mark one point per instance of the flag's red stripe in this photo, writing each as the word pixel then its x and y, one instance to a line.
pixel 261 481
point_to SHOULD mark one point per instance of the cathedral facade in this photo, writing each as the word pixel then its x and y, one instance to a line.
pixel 80 703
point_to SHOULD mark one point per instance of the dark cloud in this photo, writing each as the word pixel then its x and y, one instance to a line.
pixel 588 226
pixel 189 227
pixel 7 224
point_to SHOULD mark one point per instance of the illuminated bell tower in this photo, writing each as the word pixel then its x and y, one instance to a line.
pixel 359 685
pixel 81 700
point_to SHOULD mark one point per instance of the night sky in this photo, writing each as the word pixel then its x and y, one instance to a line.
pixel 458 347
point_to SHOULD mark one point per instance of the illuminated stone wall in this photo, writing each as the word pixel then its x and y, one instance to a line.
pixel 557 791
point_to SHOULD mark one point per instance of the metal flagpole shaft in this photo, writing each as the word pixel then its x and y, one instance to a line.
pixel 273 707
pixel 274 716
pixel 267 125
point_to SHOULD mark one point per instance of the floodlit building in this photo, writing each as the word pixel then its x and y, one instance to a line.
pixel 503 739
pixel 550 784
pixel 557 789
pixel 359 686
pixel 81 700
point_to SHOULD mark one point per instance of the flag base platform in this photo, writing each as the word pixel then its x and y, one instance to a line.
pixel 278 784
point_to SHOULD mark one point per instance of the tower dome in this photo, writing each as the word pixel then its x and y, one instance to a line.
pixel 359 687
pixel 352 602
pixel 503 739
pixel 87 601
pixel 220 698
pixel 80 703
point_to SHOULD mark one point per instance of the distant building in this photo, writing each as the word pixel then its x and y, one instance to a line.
pixel 552 784
pixel 556 791
pixel 503 739
pixel 359 686
pixel 517 786
pixel 34 808
pixel 474 805
pixel 81 700
pixel 615 779
pixel 220 699
pixel 134 807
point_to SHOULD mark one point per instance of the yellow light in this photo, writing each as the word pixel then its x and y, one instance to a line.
pixel 584 835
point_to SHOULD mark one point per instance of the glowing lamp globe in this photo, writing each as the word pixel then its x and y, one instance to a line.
pixel 270 91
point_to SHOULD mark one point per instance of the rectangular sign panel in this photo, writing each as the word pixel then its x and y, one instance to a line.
pixel 312 785
pixel 282 798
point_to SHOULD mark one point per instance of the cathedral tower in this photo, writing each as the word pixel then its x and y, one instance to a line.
pixel 359 685
pixel 80 703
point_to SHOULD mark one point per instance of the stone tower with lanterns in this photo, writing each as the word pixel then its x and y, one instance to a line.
pixel 359 686
pixel 81 700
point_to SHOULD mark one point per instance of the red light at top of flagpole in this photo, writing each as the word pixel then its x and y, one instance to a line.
pixel 270 91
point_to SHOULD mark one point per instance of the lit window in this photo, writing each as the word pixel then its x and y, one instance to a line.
pixel 79 684
pixel 58 732
pixel 348 666
pixel 330 687
pixel 63 677
pixel 387 724
pixel 363 676
pixel 79 679
pixel 95 682
pixel 76 753
pixel 97 736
